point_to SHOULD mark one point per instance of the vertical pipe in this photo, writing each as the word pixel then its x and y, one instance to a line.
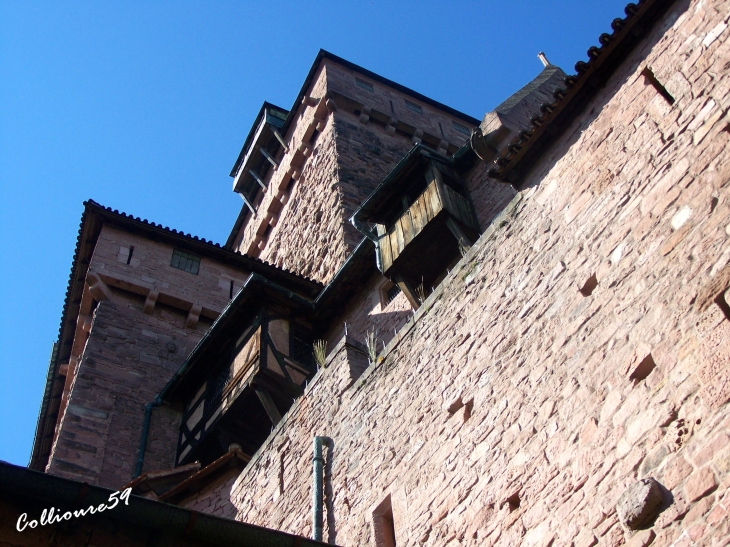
pixel 145 431
pixel 318 488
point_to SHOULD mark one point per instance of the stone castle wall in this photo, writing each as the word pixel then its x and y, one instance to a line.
pixel 306 221
pixel 130 354
pixel 124 366
pixel 515 409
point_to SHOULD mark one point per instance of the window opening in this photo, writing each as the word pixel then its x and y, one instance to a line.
pixel 589 286
pixel 413 106
pixel 441 129
pixel 392 109
pixel 392 293
pixel 230 295
pixel 384 525
pixel 185 261
pixel 364 84
pixel 643 369
pixel 129 256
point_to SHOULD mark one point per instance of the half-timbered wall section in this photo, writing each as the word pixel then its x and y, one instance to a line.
pixel 250 383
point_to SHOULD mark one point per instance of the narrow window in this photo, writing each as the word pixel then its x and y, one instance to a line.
pixel 392 293
pixel 441 129
pixel 414 107
pixel 651 80
pixel 129 256
pixel 383 525
pixel 392 109
pixel 231 291
pixel 461 128
pixel 364 84
pixel 185 261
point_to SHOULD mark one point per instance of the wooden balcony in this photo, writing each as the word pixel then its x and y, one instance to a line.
pixel 246 394
pixel 439 203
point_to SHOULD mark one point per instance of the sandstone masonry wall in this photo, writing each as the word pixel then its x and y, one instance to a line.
pixel 124 366
pixel 150 268
pixel 129 355
pixel 514 410
pixel 303 225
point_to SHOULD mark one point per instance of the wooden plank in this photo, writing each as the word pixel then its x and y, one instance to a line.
pixel 434 200
pixel 426 204
pixel 419 215
pixel 407 223
pixel 393 236
pixel 400 238
pixel 386 253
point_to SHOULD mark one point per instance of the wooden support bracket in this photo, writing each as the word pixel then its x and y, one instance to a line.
pixel 258 179
pixel 464 242
pixel 280 138
pixel 268 156
pixel 248 204
pixel 406 288
pixel 268 404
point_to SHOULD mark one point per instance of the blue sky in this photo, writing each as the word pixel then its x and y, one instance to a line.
pixel 143 107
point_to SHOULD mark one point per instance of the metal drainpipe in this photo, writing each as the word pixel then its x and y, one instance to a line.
pixel 145 430
pixel 318 488
pixel 368 234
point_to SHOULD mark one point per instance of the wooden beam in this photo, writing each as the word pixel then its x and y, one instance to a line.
pixel 464 242
pixel 272 161
pixel 277 356
pixel 248 204
pixel 268 404
pixel 279 138
pixel 257 179
pixel 407 290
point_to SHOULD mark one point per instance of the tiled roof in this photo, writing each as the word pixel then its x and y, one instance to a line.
pixel 580 87
pixel 91 220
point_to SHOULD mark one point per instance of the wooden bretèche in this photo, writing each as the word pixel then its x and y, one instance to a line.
pixel 246 395
pixel 427 236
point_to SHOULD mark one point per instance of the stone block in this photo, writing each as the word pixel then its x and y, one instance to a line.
pixel 640 504
pixel 700 483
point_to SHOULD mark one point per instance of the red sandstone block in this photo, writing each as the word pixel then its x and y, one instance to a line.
pixel 675 472
pixel 717 515
pixel 700 483
pixel 713 447
pixel 698 510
